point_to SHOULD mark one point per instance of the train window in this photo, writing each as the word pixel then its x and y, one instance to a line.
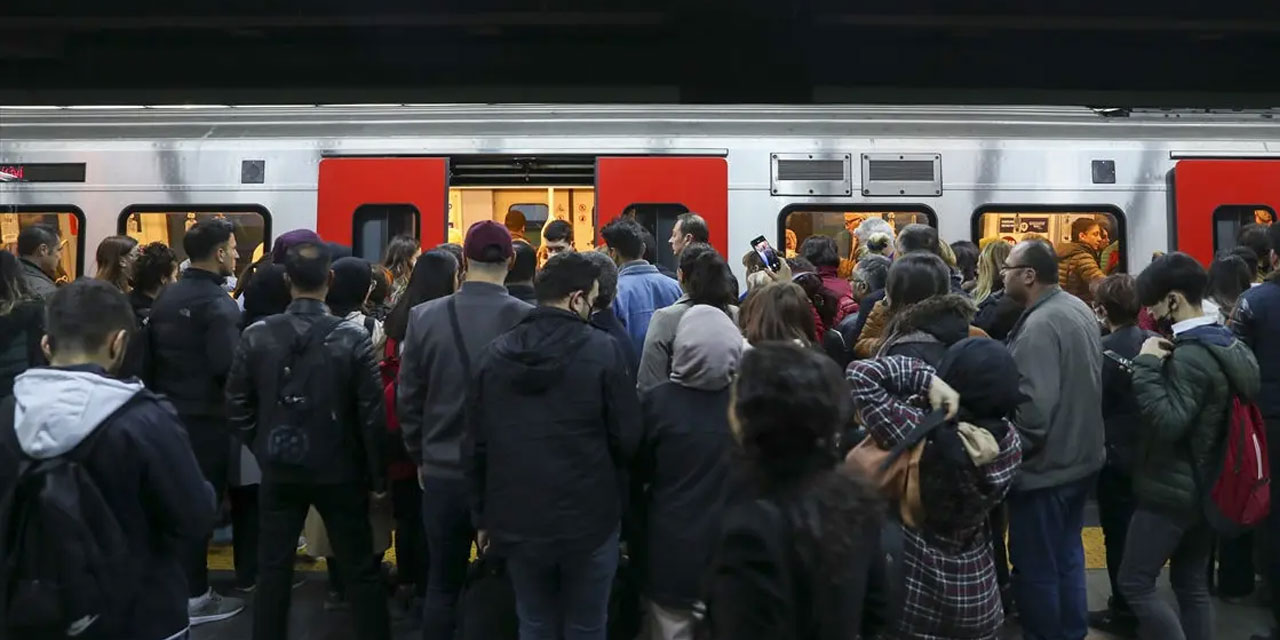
pixel 67 220
pixel 659 219
pixel 374 225
pixel 1230 218
pixel 534 215
pixel 169 223
pixel 1054 223
pixel 797 222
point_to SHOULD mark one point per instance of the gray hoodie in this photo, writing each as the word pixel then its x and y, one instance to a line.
pixel 706 350
pixel 56 409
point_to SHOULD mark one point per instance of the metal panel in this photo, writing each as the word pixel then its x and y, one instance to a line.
pixel 700 184
pixel 1201 186
pixel 347 183
pixel 815 174
pixel 902 174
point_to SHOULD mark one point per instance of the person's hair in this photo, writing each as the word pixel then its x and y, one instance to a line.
pixel 13 288
pixel 381 284
pixel 706 277
pixel 918 237
pixel 873 269
pixel 1170 272
pixel 563 274
pixel 916 277
pixel 525 264
pixel 204 237
pixel 608 278
pixel 30 239
pixel 1117 294
pixel 398 257
pixel 1229 276
pixel 824 303
pixel 879 242
pixel 1251 260
pixel 558 230
pixel 966 254
pixel 308 265
pixel 434 276
pixel 752 262
pixel 515 221
pixel 625 236
pixel 799 264
pixel 990 262
pixel 351 280
pixel 948 257
pixel 1040 256
pixel 872 227
pixel 155 264
pixel 1082 225
pixel 821 251
pixel 650 246
pixel 266 294
pixel 456 250
pixel 338 251
pixel 110 251
pixel 694 225
pixel 779 311
pixel 83 315
pixel 789 403
pixel 1258 238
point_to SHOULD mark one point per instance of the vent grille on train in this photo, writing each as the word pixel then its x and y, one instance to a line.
pixel 549 170
pixel 818 174
pixel 901 174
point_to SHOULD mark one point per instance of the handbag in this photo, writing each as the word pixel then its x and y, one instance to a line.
pixel 897 477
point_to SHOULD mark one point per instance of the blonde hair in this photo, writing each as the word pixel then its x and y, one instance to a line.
pixel 989 262
pixel 948 256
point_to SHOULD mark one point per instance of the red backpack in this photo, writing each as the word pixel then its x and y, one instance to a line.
pixel 1240 496
pixel 401 467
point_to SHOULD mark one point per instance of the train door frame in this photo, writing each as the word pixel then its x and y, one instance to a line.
pixel 1202 185
pixel 698 183
pixel 853 207
pixel 122 220
pixel 1122 223
pixel 77 217
pixel 345 183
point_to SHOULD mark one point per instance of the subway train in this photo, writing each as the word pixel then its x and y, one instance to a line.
pixel 360 174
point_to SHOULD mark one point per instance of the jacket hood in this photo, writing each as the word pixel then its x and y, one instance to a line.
pixel 56 409
pixel 706 350
pixel 539 350
pixel 1235 357
pixel 946 317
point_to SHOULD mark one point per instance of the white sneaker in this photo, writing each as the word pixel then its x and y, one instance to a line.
pixel 212 607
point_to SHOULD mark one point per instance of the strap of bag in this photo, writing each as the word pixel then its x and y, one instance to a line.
pixel 931 421
pixel 458 340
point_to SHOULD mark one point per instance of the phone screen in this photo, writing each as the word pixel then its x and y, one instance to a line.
pixel 770 257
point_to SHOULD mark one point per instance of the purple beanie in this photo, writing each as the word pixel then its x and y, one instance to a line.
pixel 288 239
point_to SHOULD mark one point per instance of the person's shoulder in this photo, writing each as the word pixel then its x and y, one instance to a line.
pixel 428 309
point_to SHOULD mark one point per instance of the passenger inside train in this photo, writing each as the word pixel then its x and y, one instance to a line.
pixel 518 436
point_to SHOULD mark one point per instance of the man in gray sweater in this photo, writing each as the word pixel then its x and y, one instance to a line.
pixel 444 338
pixel 1057 345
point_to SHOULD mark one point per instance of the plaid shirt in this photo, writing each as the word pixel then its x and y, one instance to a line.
pixel 950 589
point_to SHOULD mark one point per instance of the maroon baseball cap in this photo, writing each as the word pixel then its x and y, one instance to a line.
pixel 483 235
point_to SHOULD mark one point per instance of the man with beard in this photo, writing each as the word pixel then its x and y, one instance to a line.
pixel 193 331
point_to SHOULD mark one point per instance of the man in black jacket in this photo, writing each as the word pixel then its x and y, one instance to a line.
pixel 138 458
pixel 335 464
pixel 193 330
pixel 520 279
pixel 552 419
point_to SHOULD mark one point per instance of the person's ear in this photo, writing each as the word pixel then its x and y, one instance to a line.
pixel 117 346
pixel 328 281
pixel 46 348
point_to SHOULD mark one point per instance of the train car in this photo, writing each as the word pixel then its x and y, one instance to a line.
pixel 359 174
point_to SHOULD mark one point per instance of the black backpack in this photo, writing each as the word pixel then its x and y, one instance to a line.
pixel 64 559
pixel 302 432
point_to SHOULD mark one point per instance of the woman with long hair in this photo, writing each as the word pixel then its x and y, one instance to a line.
pixel 705 278
pixel 21 324
pixel 996 313
pixel 924 316
pixel 115 257
pixel 435 275
pixel 402 253
pixel 778 312
pixel 797 554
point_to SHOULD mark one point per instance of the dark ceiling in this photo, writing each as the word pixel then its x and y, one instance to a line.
pixel 1135 53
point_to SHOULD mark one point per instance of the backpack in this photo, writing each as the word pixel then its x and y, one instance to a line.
pixel 302 432
pixel 64 558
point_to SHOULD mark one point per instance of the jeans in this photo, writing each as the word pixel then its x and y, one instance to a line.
pixel 564 597
pixel 345 509
pixel 244 536
pixel 1048 560
pixel 212 445
pixel 1115 509
pixel 411 539
pixel 1153 540
pixel 446 517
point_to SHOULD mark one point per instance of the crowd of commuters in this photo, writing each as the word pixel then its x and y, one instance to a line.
pixel 841 451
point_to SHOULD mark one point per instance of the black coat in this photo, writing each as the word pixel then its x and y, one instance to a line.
pixel 1257 322
pixel 20 332
pixel 1120 411
pixel 523 292
pixel 608 322
pixel 997 314
pixel 684 460
pixel 193 330
pixel 358 405
pixel 552 420
pixel 925 329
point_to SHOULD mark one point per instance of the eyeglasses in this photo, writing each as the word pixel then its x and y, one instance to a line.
pixel 1008 267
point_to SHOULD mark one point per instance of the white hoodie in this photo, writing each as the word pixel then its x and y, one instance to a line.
pixel 57 409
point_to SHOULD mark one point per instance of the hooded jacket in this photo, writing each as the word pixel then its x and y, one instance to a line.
pixel 925 329
pixel 655 360
pixel 1078 267
pixel 552 422
pixel 684 457
pixel 142 463
pixel 1185 400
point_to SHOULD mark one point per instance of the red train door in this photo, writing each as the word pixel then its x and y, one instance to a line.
pixel 362 202
pixel 657 188
pixel 1214 198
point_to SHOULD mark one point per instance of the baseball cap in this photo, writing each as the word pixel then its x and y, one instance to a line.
pixel 485 236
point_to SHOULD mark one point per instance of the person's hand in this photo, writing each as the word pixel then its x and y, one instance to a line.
pixel 783 274
pixel 482 540
pixel 942 396
pixel 1156 346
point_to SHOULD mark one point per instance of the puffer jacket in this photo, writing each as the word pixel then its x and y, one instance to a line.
pixel 253 383
pixel 1077 269
pixel 1257 322
pixel 1184 401
pixel 925 329
pixel 194 327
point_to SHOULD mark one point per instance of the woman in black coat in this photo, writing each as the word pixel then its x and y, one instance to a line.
pixel 21 324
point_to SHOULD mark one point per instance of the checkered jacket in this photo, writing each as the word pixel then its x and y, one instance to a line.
pixel 950 588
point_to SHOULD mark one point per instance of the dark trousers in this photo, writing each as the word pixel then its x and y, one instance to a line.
pixel 1048 560
pixel 212 445
pixel 1235 566
pixel 1115 509
pixel 1272 528
pixel 345 510
pixel 1156 539
pixel 411 538
pixel 566 597
pixel 244 533
pixel 446 517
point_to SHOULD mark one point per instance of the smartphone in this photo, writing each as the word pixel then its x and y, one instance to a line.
pixel 770 257
pixel 1125 364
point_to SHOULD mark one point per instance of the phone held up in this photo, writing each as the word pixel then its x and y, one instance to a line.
pixel 770 257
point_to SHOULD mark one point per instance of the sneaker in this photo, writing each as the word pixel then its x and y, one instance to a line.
pixel 212 607
pixel 1116 623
